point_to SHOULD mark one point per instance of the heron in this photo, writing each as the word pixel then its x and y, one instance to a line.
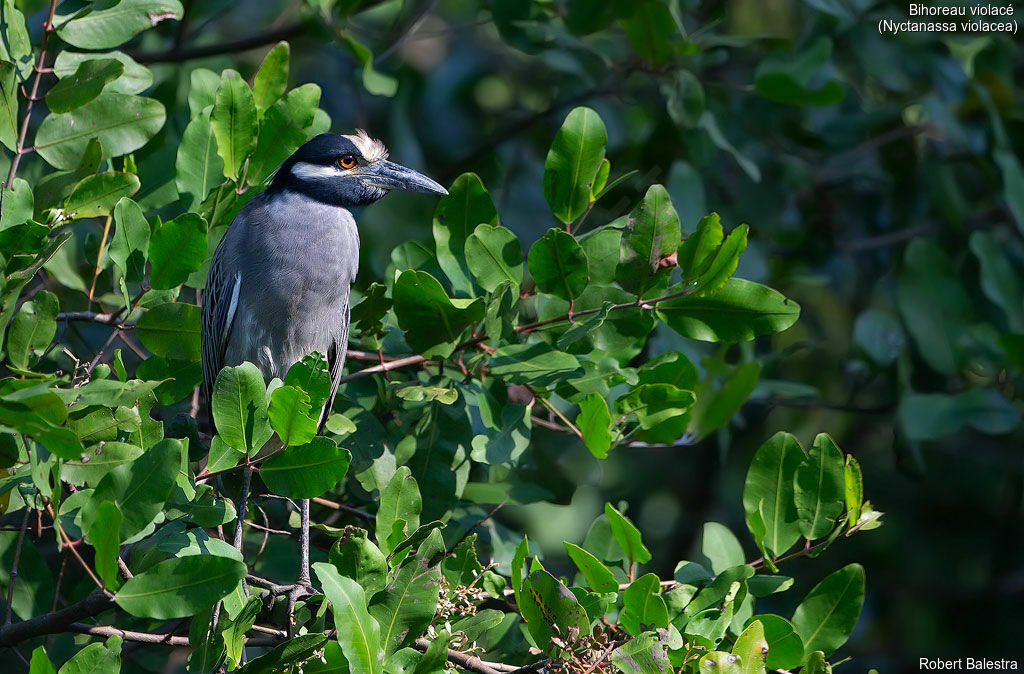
pixel 279 284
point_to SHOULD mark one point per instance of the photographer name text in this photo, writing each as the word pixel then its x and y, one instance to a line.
pixel 964 664
pixel 984 18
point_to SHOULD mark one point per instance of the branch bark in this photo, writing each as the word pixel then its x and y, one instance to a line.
pixel 53 623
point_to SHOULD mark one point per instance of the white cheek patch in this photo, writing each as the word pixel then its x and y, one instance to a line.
pixel 313 171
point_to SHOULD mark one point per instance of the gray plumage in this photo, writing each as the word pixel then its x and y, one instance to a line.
pixel 279 284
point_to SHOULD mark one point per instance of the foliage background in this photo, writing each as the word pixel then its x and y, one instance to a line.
pixel 872 211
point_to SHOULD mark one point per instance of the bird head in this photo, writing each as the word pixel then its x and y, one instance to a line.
pixel 348 171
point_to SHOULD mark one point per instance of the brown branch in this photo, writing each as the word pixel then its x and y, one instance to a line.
pixel 33 96
pixel 54 623
pixel 469 662
pixel 179 54
pixel 158 639
pixel 99 258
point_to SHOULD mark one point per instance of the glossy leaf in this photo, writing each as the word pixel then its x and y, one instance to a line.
pixel 9 105
pixel 358 632
pixel 643 605
pixel 550 609
pixel 129 244
pixel 86 84
pixel 290 415
pixel 535 364
pixel 272 78
pixel 306 471
pixel 122 123
pixel 627 536
pixel 654 234
pixel 558 264
pixel 103 28
pixel 572 163
pixel 134 79
pixel 827 615
pixel 769 490
pixel 494 255
pixel 820 491
pixel 104 536
pixel 598 577
pixel 433 322
pixel 466 206
pixel 198 167
pixel 180 587
pixel 594 422
pixel 400 500
pixel 234 122
pixel 240 408
pixel 32 329
pixel 738 312
pixel 405 607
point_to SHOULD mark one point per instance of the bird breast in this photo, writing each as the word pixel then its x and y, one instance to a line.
pixel 297 259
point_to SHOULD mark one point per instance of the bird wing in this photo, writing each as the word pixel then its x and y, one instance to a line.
pixel 335 362
pixel 220 302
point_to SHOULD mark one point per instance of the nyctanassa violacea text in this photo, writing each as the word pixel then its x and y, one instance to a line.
pixel 278 286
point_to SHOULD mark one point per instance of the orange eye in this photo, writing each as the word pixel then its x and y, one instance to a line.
pixel 346 161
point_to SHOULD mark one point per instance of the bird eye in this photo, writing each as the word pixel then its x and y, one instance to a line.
pixel 347 161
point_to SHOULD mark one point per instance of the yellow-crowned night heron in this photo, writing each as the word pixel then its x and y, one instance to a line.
pixel 278 287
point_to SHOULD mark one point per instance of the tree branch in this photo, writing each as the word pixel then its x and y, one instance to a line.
pixel 33 96
pixel 53 623
pixel 178 54
pixel 13 576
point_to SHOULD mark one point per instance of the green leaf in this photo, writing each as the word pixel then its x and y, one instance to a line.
pixel 285 126
pixel 286 656
pixel 558 264
pixel 374 81
pixel 643 606
pixel 535 364
pixel 85 85
pixel 784 79
pixel 854 483
pixel 658 406
pixel 356 557
pixel 494 255
pixel 738 312
pixel 177 249
pixel 645 654
pixel 290 418
pixel 820 488
pixel 16 47
pixel 930 416
pixel 272 78
pixel 234 122
pixel 817 664
pixel 721 547
pixel 650 29
pixel 18 204
pixel 104 536
pixel 510 439
pixel 1000 281
pixel 400 500
pixel 122 123
pixel 240 408
pixel 627 536
pixel 769 484
pixel 198 167
pixel 598 577
pixel 97 194
pixel 581 329
pixel 96 659
pixel 358 633
pixel 100 462
pixel 32 329
pixel 707 261
pixel 654 233
pixel 306 471
pixel 827 615
pixel 751 648
pixel 180 587
pixel 111 26
pixel 33 591
pixel 466 206
pixel 550 610
pixel 934 304
pixel 234 632
pixel 40 663
pixel 406 606
pixel 135 78
pixel 129 245
pixel 785 647
pixel 595 421
pixel 9 106
pixel 139 488
pixel 432 321
pixel 573 162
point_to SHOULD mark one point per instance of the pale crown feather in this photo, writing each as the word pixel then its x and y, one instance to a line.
pixel 371 148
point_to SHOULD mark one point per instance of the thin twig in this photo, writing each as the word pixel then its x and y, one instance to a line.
pixel 14 566
pixel 179 54
pixel 99 258
pixel 33 96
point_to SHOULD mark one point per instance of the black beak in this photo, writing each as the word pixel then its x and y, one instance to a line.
pixel 392 176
